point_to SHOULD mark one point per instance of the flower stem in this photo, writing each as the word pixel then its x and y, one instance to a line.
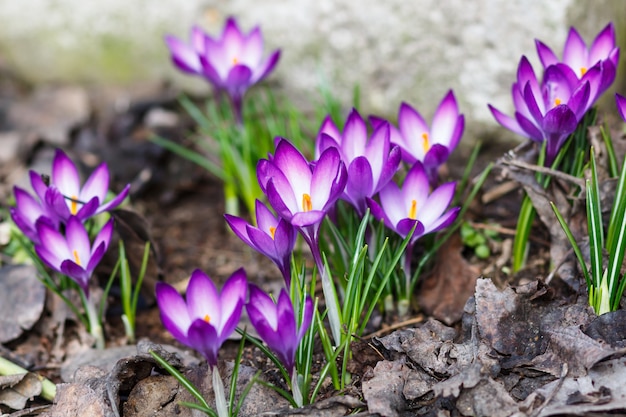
pixel 95 328
pixel 48 388
pixel 295 388
pixel 218 389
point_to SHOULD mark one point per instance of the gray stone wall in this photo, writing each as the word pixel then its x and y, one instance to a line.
pixel 395 50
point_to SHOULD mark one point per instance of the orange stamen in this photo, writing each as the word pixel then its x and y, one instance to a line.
pixel 413 210
pixel 207 318
pixel 425 142
pixel 74 205
pixel 306 202
pixel 272 232
pixel 583 70
pixel 76 257
pixel 235 61
pixel 557 101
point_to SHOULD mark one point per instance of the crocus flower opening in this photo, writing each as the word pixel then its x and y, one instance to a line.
pixel 603 53
pixel 431 145
pixel 232 63
pixel 273 237
pixel 207 318
pixel 72 254
pixel 64 197
pixel 301 193
pixel 371 161
pixel 414 205
pixel 277 325
pixel 549 111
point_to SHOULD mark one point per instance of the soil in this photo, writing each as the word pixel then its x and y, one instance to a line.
pixel 482 341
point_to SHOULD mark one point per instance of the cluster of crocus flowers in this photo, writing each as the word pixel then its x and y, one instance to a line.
pixel 232 63
pixel 54 219
pixel 549 109
pixel 207 318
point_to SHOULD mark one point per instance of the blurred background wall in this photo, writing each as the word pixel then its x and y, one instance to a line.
pixel 395 50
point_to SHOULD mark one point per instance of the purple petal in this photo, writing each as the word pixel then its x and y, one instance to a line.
pixel 38 185
pixel 78 241
pixel 239 226
pixel 203 337
pixel 65 175
pixel 377 150
pixel 174 313
pixel 436 204
pixel 575 51
pixel 116 201
pixel 354 136
pixel 603 44
pixel 529 128
pixel 183 56
pixel 437 155
pixel 203 299
pixel 252 48
pixel 54 244
pixel 77 273
pixel 445 220
pixel 404 226
pixel 546 56
pixel 390 167
pixel 307 316
pixel 444 120
pixel 88 210
pixel 232 298
pixel 262 242
pixel 265 219
pixel 325 173
pixel 412 127
pixel 294 166
pixel 621 105
pixel 360 182
pixel 308 218
pixel 238 80
pixel 507 121
pixel 266 67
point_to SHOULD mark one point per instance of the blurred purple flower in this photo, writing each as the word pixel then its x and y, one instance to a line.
pixel 579 58
pixel 274 237
pixel 621 105
pixel 430 145
pixel 277 325
pixel 414 204
pixel 72 254
pixel 65 197
pixel 208 317
pixel 549 111
pixel 371 161
pixel 300 192
pixel 232 63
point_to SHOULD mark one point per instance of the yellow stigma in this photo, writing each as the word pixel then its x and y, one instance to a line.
pixel 425 142
pixel 413 210
pixel 557 101
pixel 76 257
pixel 235 60
pixel 272 232
pixel 74 205
pixel 306 202
pixel 583 70
pixel 207 318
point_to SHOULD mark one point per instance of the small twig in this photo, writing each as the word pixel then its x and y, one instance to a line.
pixel 499 191
pixel 414 320
pixel 580 182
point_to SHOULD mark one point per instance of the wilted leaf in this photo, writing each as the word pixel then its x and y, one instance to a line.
pixel 445 290
pixel 16 390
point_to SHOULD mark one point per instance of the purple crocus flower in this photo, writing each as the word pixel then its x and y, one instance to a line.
pixel 208 317
pixel 65 197
pixel 232 63
pixel 274 237
pixel 621 105
pixel 371 161
pixel 576 55
pixel 414 204
pixel 549 111
pixel 300 192
pixel 430 145
pixel 277 325
pixel 28 211
pixel 72 254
